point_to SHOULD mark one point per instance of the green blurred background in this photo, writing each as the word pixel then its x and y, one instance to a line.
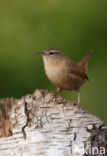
pixel 73 26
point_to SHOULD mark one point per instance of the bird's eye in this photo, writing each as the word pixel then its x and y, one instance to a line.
pixel 51 53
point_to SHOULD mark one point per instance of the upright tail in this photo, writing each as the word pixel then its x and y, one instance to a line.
pixel 84 62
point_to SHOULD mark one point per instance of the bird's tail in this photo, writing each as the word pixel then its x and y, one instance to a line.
pixel 84 62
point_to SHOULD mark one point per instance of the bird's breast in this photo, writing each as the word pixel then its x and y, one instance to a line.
pixel 56 71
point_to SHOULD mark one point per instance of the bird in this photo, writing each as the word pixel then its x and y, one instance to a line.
pixel 64 73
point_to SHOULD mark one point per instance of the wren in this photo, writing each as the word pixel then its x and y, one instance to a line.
pixel 63 72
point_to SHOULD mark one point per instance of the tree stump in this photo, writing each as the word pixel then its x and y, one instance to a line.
pixel 43 124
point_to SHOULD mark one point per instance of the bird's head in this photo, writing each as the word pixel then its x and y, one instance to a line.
pixel 50 53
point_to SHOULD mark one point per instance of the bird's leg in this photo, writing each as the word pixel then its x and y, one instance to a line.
pixel 58 90
pixel 78 104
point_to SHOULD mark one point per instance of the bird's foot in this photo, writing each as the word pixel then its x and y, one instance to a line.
pixel 53 93
pixel 77 107
pixel 56 92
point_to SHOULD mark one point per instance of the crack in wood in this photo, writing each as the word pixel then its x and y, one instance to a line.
pixel 28 120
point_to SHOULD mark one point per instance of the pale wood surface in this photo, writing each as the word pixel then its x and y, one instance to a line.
pixel 51 126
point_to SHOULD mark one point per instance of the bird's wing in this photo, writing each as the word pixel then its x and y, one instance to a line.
pixel 75 69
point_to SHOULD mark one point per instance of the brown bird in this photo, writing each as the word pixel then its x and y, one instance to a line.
pixel 63 72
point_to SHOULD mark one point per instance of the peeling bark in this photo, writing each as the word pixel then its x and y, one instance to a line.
pixel 42 124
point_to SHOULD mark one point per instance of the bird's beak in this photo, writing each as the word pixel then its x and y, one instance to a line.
pixel 40 53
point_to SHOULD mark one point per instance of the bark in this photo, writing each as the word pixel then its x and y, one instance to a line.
pixel 43 124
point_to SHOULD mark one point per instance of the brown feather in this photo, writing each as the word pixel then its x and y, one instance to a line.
pixel 84 62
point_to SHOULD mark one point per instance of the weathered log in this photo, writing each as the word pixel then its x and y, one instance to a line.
pixel 43 124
